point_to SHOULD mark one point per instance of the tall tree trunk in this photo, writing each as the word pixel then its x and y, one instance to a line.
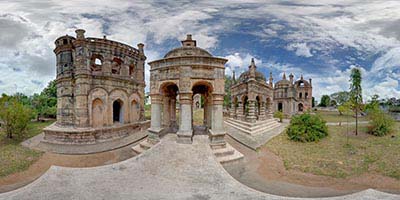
pixel 356 121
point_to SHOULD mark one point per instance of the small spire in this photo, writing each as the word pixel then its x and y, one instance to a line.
pixel 301 77
pixel 284 76
pixel 189 42
pixel 270 79
pixel 233 76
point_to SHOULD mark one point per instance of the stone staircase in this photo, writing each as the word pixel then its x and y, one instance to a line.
pixel 256 128
pixel 226 153
pixel 142 146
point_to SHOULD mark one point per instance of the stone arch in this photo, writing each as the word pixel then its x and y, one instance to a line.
pixel 135 108
pixel 131 69
pixel 101 94
pixel 118 94
pixel 96 62
pixel 280 106
pixel 245 102
pixel 300 107
pixel 300 95
pixel 118 111
pixel 116 66
pixel 202 87
pixel 98 112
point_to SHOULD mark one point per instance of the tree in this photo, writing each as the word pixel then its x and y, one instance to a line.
pixel 356 92
pixel 325 101
pixel 14 115
pixel 340 97
pixel 373 104
pixel 45 103
pixel 227 97
pixel 313 102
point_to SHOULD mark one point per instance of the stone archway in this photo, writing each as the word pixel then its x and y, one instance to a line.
pixel 204 89
pixel 118 112
pixel 300 107
pixel 169 92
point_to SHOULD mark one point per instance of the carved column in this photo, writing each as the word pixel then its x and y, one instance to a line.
pixel 232 112
pixel 174 125
pixel 251 117
pixel 239 111
pixel 217 132
pixel 185 131
pixel 261 115
pixel 166 111
pixel 155 123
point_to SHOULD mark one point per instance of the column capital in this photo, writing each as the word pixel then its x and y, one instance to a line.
pixel 156 98
pixel 185 98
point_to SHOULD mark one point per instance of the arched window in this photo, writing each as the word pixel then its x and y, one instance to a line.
pixel 96 63
pixel 300 95
pixel 131 69
pixel 306 95
pixel 116 66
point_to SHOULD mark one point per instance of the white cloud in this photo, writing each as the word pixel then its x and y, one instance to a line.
pixel 301 49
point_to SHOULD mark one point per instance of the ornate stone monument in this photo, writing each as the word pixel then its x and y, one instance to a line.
pixel 100 90
pixel 185 72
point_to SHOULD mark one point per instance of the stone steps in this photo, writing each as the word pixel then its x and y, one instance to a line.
pixel 142 146
pixel 253 128
pixel 227 154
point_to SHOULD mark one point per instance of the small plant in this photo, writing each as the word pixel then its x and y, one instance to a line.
pixel 279 115
pixel 381 123
pixel 307 128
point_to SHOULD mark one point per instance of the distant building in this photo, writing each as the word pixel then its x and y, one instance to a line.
pixel 253 98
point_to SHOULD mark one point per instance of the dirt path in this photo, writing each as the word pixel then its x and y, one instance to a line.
pixel 20 179
pixel 265 171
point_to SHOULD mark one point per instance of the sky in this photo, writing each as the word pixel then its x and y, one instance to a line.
pixel 322 40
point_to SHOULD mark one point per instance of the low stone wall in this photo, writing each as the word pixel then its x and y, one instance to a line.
pixel 63 135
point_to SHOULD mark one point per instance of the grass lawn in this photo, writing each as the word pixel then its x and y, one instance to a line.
pixel 333 116
pixel 13 156
pixel 339 155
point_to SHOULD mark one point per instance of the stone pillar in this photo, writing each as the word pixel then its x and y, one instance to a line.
pixel 166 112
pixel 217 131
pixel 174 125
pixel 251 117
pixel 261 115
pixel 232 112
pixel 239 111
pixel 155 123
pixel 185 131
pixel 209 111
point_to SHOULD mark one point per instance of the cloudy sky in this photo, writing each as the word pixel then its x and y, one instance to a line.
pixel 322 41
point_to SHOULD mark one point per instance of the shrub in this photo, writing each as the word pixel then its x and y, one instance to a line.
pixel 307 128
pixel 279 115
pixel 381 123
pixel 15 117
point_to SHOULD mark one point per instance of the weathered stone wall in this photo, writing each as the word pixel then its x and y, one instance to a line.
pixel 100 83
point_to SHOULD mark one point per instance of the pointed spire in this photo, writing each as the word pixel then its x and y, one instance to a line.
pixel 270 79
pixel 252 69
pixel 233 76
pixel 301 77
pixel 284 76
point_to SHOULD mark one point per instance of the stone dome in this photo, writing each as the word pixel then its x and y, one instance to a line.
pixel 245 76
pixel 188 48
pixel 282 83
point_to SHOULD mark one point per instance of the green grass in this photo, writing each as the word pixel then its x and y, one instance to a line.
pixel 334 116
pixel 340 155
pixel 13 156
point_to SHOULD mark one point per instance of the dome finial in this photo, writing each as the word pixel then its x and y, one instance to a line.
pixel 189 42
pixel 284 76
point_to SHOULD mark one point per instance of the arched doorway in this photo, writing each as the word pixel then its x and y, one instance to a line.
pixel 97 113
pixel 169 92
pixel 300 106
pixel 201 118
pixel 280 106
pixel 245 105
pixel 118 113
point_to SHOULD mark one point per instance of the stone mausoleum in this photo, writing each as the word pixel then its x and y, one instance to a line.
pixel 183 73
pixel 100 90
pixel 254 99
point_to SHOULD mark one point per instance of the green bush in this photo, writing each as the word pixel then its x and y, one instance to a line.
pixel 279 115
pixel 380 124
pixel 307 128
pixel 15 116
